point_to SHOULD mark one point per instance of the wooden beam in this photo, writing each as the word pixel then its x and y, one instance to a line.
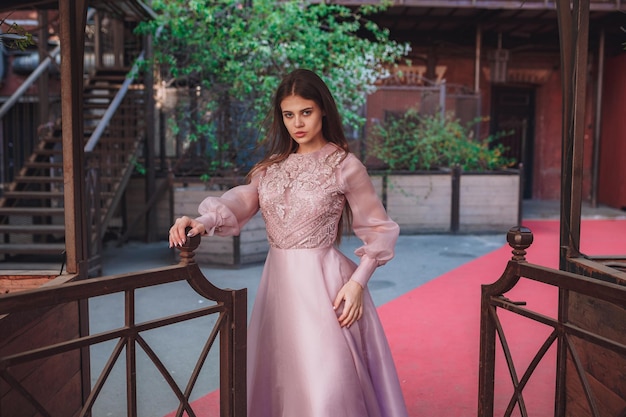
pixel 574 38
pixel 150 134
pixel 73 16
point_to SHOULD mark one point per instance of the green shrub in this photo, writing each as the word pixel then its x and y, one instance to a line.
pixel 417 142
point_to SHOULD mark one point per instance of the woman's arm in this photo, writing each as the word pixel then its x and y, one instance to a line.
pixel 223 216
pixel 373 226
pixel 370 221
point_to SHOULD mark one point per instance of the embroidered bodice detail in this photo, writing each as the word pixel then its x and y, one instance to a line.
pixel 301 200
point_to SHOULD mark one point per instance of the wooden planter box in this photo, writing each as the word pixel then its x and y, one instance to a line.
pixel 249 247
pixel 418 203
pixel 450 201
pixel 489 201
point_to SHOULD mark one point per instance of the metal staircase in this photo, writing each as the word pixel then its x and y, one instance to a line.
pixel 31 210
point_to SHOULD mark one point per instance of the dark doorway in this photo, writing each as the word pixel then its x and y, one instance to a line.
pixel 513 110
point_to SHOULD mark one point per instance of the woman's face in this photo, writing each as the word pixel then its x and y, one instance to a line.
pixel 303 120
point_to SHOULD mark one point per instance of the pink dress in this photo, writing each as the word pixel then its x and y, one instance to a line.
pixel 301 363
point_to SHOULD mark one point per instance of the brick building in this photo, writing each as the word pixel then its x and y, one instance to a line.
pixel 501 61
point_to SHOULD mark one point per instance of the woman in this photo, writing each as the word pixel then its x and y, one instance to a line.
pixel 316 347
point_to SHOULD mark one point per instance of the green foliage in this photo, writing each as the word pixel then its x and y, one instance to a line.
pixel 235 55
pixel 416 142
pixel 16 37
pixel 139 167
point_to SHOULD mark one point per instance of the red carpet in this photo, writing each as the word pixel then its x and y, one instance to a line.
pixel 434 329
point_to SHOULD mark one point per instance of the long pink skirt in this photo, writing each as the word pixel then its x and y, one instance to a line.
pixel 301 363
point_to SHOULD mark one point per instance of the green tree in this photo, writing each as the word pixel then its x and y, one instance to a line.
pixel 231 57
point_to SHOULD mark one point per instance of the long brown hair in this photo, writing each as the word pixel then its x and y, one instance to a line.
pixel 279 144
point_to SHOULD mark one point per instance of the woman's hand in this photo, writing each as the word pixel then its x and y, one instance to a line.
pixel 351 294
pixel 177 232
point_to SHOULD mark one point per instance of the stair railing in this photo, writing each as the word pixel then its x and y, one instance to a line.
pixel 116 102
pixel 113 159
pixel 114 106
pixel 98 133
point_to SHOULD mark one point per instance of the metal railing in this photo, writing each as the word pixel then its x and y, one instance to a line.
pixel 570 335
pixel 230 325
pixel 115 146
pixel 105 121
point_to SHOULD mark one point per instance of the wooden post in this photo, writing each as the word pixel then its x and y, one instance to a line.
pixel 574 34
pixel 72 20
pixel 151 216
pixel 455 200
pixel 73 15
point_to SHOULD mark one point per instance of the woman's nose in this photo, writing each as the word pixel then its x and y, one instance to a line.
pixel 299 121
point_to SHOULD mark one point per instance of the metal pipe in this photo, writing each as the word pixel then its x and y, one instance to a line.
pixel 442 97
pixel 595 165
pixel 42 85
pixel 33 76
pixel 28 82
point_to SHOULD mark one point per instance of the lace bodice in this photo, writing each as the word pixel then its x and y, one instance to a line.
pixel 301 200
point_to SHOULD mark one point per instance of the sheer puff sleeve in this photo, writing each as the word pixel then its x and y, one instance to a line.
pixel 226 215
pixel 370 221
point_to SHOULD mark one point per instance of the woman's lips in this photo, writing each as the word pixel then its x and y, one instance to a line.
pixel 300 134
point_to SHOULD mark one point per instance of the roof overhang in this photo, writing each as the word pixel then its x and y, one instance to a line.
pixel 523 25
